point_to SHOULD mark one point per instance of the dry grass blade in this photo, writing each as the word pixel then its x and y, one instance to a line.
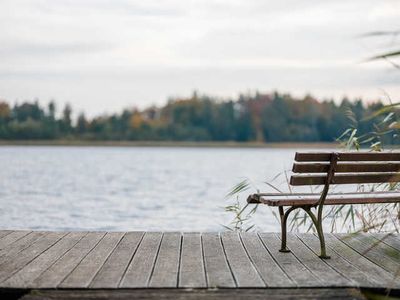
pixel 238 188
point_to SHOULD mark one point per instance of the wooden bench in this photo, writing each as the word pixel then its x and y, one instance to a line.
pixel 328 169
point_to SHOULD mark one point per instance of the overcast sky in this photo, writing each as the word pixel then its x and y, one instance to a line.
pixel 102 56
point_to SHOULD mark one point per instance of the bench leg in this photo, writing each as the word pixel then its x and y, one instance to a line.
pixel 317 221
pixel 318 225
pixel 284 217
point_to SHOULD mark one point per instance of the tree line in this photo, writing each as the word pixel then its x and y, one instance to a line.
pixel 259 117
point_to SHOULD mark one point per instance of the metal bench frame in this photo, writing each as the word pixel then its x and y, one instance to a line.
pixel 316 219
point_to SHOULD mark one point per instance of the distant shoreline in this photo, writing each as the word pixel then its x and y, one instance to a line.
pixel 84 143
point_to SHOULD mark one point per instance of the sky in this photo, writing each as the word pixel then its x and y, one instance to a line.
pixel 105 55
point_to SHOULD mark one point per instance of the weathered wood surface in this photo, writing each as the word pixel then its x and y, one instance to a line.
pixel 100 260
pixel 345 178
pixel 359 167
pixel 27 275
pixel 195 294
pixel 300 199
pixel 389 239
pixel 348 156
pixel 217 269
pixel 115 266
pixel 192 273
pixel 166 268
pixel 289 263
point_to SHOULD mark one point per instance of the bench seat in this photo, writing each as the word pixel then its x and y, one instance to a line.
pixel 304 199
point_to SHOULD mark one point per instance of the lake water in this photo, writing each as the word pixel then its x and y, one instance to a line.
pixel 117 188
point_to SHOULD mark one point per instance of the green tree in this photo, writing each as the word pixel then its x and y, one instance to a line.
pixel 66 121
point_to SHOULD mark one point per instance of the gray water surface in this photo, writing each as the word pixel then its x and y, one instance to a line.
pixel 117 188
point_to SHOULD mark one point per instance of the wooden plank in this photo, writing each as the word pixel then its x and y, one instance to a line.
pixel 199 294
pixel 383 255
pixel 346 167
pixel 204 262
pixel 141 267
pixel 24 277
pixel 289 263
pixel 357 277
pixel 116 264
pixel 348 156
pixel 386 250
pixel 54 275
pixel 166 269
pixel 360 262
pixel 332 199
pixel 345 178
pixel 191 272
pixel 243 270
pixel 327 275
pixel 393 240
pixel 3 233
pixel 10 267
pixel 84 273
pixel 269 270
pixel 12 237
pixel 218 273
pixel 13 249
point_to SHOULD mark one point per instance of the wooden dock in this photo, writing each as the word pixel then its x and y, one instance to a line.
pixel 153 260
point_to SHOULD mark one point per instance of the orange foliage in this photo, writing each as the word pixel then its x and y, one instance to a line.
pixel 136 120
pixel 4 110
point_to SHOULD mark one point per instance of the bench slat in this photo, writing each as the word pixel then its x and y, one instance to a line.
pixel 347 156
pixel 332 199
pixel 345 178
pixel 346 167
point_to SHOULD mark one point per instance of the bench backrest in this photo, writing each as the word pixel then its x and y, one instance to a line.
pixel 351 168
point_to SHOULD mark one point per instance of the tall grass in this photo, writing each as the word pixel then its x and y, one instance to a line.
pixel 242 213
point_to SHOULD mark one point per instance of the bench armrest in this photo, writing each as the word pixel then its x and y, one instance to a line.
pixel 253 199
